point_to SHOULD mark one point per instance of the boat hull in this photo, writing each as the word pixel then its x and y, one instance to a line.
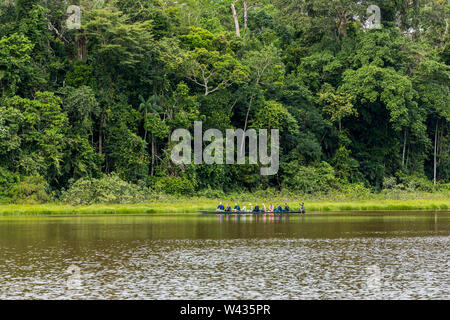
pixel 245 212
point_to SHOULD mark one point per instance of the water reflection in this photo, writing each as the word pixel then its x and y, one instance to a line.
pixel 250 218
pixel 226 257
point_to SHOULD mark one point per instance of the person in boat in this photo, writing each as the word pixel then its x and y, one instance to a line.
pixel 271 208
pixel 278 208
pixel 286 207
pixel 250 207
pixel 303 207
pixel 263 208
pixel 256 208
pixel 228 208
pixel 220 207
pixel 244 209
pixel 236 207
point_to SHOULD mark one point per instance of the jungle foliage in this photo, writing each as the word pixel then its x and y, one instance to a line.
pixel 86 114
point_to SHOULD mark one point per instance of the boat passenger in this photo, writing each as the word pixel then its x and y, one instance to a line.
pixel 228 209
pixel 220 207
pixel 256 208
pixel 286 207
pixel 271 208
pixel 236 207
pixel 250 207
pixel 280 209
pixel 303 207
pixel 244 208
pixel 275 209
pixel 263 208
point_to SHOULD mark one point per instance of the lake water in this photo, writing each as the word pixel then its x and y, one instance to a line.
pixel 374 256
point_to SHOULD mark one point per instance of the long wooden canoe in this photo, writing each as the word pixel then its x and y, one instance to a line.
pixel 248 212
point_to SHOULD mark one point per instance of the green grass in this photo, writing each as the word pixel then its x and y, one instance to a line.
pixel 190 206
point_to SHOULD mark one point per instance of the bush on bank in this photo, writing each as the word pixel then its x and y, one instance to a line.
pixel 107 189
pixel 111 189
pixel 177 186
pixel 32 189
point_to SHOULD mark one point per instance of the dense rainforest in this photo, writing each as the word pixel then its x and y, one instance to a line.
pixel 89 98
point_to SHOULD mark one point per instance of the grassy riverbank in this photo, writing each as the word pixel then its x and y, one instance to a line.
pixel 190 206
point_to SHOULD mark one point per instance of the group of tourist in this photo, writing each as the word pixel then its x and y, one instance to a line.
pixel 257 209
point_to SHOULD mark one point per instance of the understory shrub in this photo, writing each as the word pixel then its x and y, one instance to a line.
pixel 7 179
pixel 179 186
pixel 310 179
pixel 107 189
pixel 211 193
pixel 354 191
pixel 31 189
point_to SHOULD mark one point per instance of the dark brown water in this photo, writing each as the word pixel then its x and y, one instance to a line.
pixel 401 256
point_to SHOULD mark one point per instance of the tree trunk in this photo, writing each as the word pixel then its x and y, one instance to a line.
pixel 407 158
pixel 245 18
pixel 435 151
pixel 81 47
pixel 439 146
pixel 404 148
pixel 153 155
pixel 235 18
pixel 338 31
pixel 344 24
pixel 100 133
pixel 246 120
pixel 100 142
